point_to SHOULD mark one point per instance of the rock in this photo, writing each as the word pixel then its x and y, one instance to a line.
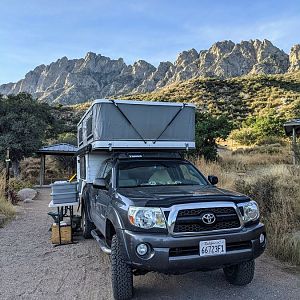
pixel 226 59
pixel 70 81
pixel 27 194
pixel 28 200
pixel 294 58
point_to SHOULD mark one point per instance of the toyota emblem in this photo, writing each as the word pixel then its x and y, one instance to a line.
pixel 208 218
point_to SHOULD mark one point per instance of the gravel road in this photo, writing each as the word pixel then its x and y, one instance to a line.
pixel 31 268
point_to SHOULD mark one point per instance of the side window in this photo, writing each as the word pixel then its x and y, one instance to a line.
pixel 189 173
pixel 82 168
pixel 105 171
pixel 108 171
pixel 101 170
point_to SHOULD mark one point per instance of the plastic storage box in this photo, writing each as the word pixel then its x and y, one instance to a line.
pixel 64 192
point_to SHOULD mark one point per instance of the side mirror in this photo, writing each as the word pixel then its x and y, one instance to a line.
pixel 213 179
pixel 99 183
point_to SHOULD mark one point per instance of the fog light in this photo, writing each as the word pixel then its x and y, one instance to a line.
pixel 142 249
pixel 262 238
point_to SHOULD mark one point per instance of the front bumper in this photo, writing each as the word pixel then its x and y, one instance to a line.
pixel 181 254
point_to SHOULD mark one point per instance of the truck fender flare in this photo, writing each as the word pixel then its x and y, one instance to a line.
pixel 85 200
pixel 116 221
pixel 114 218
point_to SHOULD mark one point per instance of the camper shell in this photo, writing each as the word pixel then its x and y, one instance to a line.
pixel 128 125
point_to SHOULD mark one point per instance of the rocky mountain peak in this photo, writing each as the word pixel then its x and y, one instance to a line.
pixel 96 76
pixel 294 58
pixel 186 57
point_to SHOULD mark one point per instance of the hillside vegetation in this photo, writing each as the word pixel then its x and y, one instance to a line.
pixel 237 97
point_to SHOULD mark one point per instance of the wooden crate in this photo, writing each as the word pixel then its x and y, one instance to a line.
pixel 65 232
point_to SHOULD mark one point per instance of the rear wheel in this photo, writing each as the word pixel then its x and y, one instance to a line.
pixel 122 277
pixel 86 225
pixel 240 274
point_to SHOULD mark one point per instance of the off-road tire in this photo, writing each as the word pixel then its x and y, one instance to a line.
pixel 122 277
pixel 86 225
pixel 240 274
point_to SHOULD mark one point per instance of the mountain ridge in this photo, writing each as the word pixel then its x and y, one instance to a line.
pixel 71 81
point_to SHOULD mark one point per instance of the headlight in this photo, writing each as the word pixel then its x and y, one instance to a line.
pixel 250 211
pixel 146 217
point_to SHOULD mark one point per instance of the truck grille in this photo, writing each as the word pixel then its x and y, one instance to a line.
pixel 190 220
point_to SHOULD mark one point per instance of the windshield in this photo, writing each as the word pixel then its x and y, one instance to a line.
pixel 158 173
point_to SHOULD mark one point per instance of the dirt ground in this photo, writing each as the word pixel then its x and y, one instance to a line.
pixel 31 268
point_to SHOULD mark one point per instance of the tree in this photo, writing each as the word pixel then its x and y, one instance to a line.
pixel 256 129
pixel 208 129
pixel 245 136
pixel 24 123
pixel 270 124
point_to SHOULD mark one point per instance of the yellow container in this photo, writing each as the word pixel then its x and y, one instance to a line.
pixel 65 233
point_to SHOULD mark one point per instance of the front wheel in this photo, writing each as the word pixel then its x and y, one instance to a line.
pixel 240 274
pixel 122 277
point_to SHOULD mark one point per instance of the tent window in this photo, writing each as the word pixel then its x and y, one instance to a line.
pixel 82 168
pixel 89 128
pixel 80 136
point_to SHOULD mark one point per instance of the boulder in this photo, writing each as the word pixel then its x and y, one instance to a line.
pixel 28 200
pixel 27 194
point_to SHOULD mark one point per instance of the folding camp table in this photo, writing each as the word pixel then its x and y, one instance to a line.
pixel 62 211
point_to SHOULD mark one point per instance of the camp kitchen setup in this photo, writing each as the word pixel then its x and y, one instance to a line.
pixel 64 196
pixel 111 126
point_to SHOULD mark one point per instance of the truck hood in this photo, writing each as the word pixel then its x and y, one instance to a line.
pixel 165 196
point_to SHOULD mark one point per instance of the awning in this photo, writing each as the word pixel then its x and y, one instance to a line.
pixel 290 125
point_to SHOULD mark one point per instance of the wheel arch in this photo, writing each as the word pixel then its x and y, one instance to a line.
pixel 86 201
pixel 113 223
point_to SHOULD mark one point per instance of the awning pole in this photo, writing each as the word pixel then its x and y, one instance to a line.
pixel 42 170
pixel 294 145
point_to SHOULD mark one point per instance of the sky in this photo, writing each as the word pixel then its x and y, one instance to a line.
pixel 34 32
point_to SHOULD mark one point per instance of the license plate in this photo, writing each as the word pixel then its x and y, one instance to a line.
pixel 213 247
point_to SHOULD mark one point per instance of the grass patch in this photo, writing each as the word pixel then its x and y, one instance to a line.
pixel 6 208
pixel 275 185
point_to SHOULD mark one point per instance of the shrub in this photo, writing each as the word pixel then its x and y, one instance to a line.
pixel 278 196
pixel 271 140
pixel 6 208
pixel 208 129
pixel 276 187
pixel 17 184
pixel 245 136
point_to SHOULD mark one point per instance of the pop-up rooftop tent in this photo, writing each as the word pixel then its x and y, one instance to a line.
pixel 127 124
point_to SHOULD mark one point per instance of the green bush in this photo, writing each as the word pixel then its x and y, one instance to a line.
pixel 263 129
pixel 208 128
pixel 16 184
pixel 245 136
